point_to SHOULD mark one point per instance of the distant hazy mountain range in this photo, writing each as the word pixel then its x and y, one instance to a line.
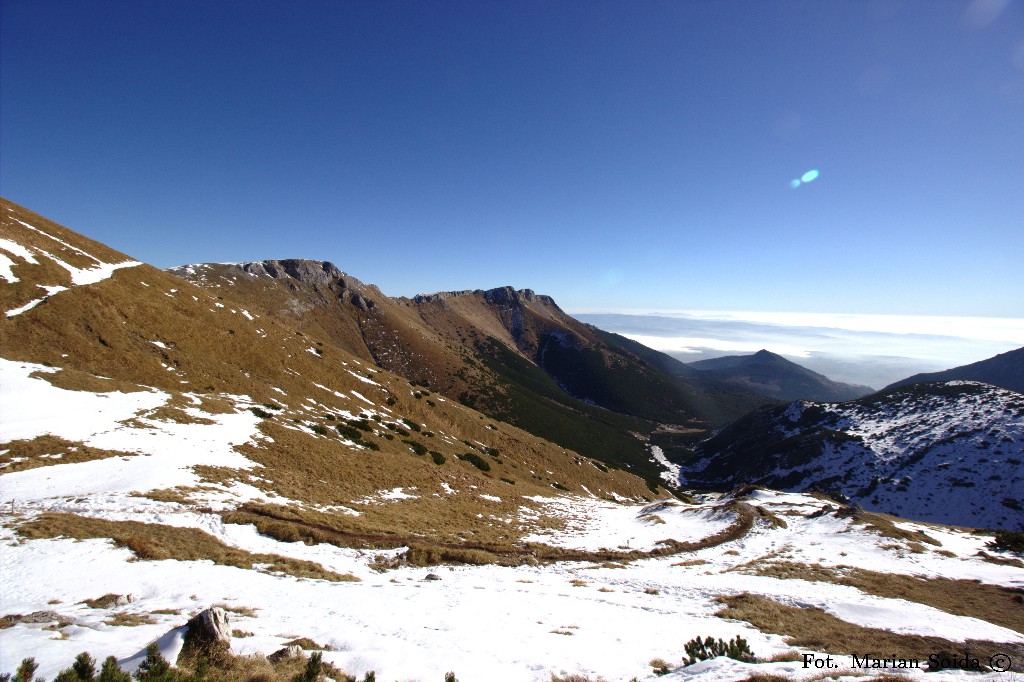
pixel 775 376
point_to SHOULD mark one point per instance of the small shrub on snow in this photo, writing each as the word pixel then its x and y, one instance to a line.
pixel 701 650
pixel 1009 541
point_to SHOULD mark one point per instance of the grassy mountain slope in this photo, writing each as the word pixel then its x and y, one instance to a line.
pixel 330 427
pixel 1005 370
pixel 513 355
pixel 774 375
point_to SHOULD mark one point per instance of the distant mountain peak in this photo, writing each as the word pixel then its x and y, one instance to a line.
pixel 773 375
pixel 500 296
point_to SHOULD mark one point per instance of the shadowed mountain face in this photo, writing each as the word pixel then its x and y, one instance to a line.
pixel 1005 370
pixel 947 452
pixel 512 354
pixel 775 376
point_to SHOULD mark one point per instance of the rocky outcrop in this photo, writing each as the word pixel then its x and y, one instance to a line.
pixel 306 271
pixel 208 629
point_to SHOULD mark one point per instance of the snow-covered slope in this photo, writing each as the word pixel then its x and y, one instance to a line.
pixel 166 442
pixel 950 452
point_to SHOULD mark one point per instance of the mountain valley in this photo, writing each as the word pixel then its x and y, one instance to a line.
pixel 466 481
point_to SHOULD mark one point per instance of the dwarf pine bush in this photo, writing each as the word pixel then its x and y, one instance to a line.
pixel 701 650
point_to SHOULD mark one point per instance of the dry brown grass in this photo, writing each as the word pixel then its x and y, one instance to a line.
pixel 814 629
pixel 885 525
pixel 227 667
pixel 247 611
pixel 39 451
pixel 76 380
pixel 306 644
pixel 128 619
pixel 292 524
pixel 107 601
pixel 993 603
pixel 156 542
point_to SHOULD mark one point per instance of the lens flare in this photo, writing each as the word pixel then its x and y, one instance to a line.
pixel 809 176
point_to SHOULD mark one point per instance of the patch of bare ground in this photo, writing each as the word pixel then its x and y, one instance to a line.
pixel 815 629
pixel 179 495
pixel 77 380
pixel 171 413
pixel 156 542
pixel 883 524
pixel 224 666
pixel 1003 606
pixel 128 619
pixel 47 450
pixel 306 644
pixel 289 524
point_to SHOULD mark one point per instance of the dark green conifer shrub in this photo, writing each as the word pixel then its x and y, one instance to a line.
pixel 26 670
pixel 155 668
pixel 349 432
pixel 1009 541
pixel 437 457
pixel 418 448
pixel 476 460
pixel 314 669
pixel 110 671
pixel 701 650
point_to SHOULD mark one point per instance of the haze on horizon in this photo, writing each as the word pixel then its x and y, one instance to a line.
pixel 802 156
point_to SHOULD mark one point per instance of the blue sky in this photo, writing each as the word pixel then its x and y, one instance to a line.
pixel 617 154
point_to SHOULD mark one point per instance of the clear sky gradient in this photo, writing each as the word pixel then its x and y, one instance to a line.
pixel 618 154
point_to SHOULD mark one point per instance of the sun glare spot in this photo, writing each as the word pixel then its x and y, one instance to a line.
pixel 809 176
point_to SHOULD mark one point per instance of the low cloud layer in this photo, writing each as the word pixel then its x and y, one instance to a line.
pixel 874 350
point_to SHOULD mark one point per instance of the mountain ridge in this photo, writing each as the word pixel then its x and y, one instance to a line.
pixel 1005 370
pixel 948 452
pixel 774 375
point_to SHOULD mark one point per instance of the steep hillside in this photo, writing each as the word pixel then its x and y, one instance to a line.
pixel 1005 370
pixel 949 452
pixel 775 376
pixel 323 428
pixel 514 355
pixel 459 359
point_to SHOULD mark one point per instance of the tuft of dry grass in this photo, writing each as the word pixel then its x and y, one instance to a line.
pixel 307 644
pixel 787 656
pixel 48 450
pixel 128 619
pixel 155 542
pixel 813 628
pixel 993 603
pixel 247 611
